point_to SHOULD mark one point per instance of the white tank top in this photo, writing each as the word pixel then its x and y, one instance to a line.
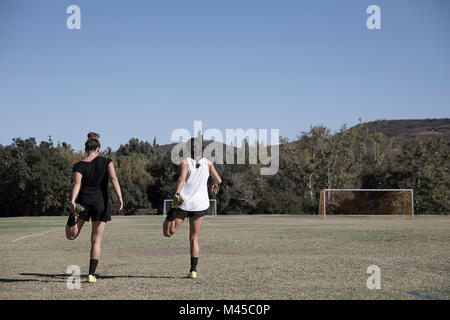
pixel 195 189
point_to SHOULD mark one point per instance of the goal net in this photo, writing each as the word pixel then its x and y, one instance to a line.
pixel 367 202
pixel 212 210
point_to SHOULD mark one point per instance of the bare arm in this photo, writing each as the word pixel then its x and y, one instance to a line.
pixel 75 190
pixel 115 183
pixel 181 180
pixel 216 177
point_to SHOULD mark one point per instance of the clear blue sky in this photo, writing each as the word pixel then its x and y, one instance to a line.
pixel 144 68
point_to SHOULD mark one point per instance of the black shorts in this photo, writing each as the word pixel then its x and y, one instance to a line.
pixel 190 214
pixel 96 212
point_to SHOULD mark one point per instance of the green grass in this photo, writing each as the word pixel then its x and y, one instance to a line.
pixel 242 257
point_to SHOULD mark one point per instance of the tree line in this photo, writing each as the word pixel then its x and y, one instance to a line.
pixel 35 179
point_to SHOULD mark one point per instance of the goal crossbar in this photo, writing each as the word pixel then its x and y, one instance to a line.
pixel 326 192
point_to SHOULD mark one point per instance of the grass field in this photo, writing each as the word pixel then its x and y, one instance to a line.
pixel 242 257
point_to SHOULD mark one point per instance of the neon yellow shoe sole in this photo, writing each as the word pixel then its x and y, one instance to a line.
pixel 79 208
pixel 192 275
pixel 91 279
pixel 176 206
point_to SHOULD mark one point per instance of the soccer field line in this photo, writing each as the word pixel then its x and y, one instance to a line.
pixel 34 235
pixel 421 295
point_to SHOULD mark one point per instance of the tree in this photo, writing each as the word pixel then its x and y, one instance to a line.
pixel 134 180
pixel 165 174
pixel 35 180
pixel 423 165
pixel 136 146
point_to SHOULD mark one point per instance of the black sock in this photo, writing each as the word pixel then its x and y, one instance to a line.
pixel 93 266
pixel 171 214
pixel 194 262
pixel 72 220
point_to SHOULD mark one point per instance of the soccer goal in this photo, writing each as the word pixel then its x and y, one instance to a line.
pixel 212 211
pixel 367 202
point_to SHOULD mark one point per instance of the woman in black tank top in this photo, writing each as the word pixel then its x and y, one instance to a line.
pixel 90 198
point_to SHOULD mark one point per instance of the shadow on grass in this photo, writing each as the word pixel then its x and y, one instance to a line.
pixel 64 277
pixel 23 280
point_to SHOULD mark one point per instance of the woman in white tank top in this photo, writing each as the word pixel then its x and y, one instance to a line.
pixel 191 199
pixel 195 188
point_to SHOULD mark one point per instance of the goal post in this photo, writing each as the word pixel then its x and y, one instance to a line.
pixel 211 212
pixel 366 202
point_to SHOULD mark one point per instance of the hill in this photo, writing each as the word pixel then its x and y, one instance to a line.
pixel 402 130
pixel 398 130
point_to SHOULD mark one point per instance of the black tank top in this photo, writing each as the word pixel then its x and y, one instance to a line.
pixel 94 183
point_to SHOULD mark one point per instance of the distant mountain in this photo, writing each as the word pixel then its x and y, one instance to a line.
pixel 398 130
pixel 402 130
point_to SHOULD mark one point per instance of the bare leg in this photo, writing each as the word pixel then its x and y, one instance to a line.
pixel 195 224
pixel 98 227
pixel 170 227
pixel 73 232
pixel 167 227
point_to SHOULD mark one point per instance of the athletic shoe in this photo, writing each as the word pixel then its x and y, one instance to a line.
pixel 79 208
pixel 91 279
pixel 173 210
pixel 192 275
pixel 73 219
pixel 176 206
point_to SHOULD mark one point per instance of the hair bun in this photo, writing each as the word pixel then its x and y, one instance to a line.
pixel 93 135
